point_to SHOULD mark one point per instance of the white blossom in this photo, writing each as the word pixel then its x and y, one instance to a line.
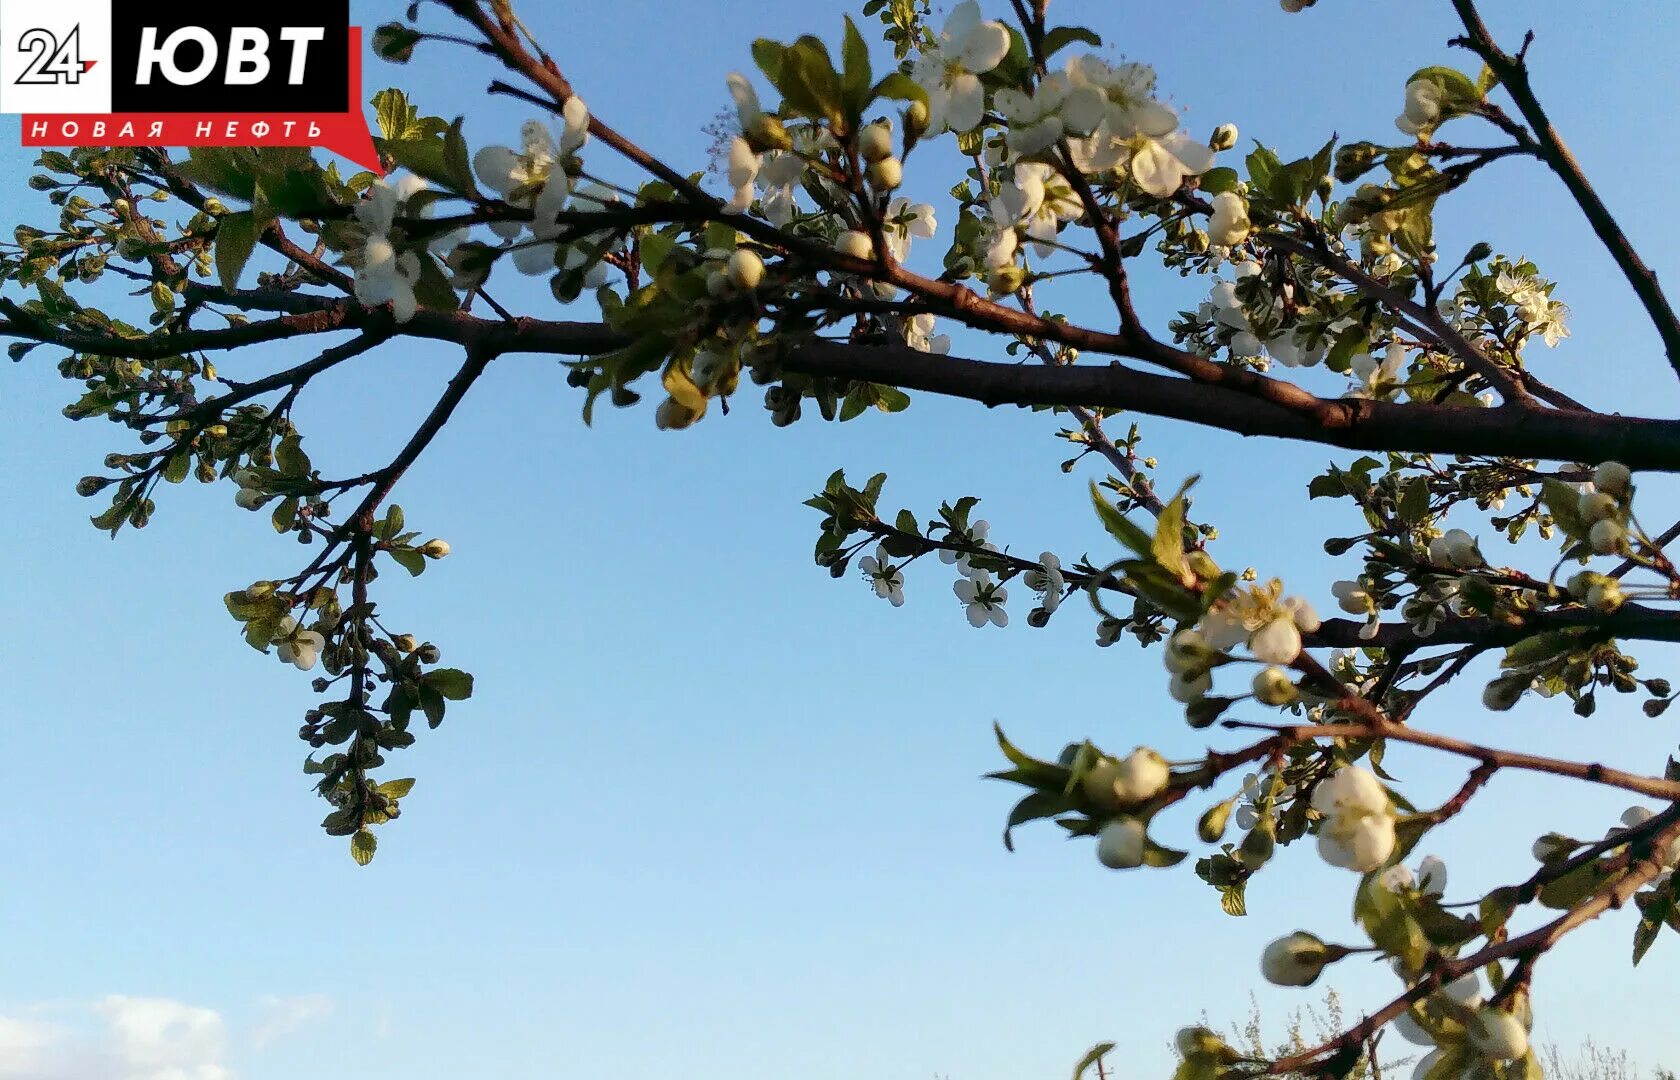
pixel 1357 831
pixel 1379 379
pixel 1228 225
pixel 1140 776
pixel 919 335
pixel 887 579
pixel 1048 581
pixel 903 221
pixel 949 71
pixel 982 599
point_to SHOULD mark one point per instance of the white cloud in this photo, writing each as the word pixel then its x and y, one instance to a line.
pixel 140 1038
pixel 283 1015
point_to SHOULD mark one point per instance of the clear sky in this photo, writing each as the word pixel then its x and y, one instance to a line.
pixel 712 814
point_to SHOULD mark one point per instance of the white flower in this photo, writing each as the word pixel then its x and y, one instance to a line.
pixel 1277 642
pixel 1456 548
pixel 301 648
pixel 983 599
pixel 856 244
pixel 1037 197
pixel 747 108
pixel 1108 632
pixel 1497 1034
pixel 1552 846
pixel 1187 652
pixel 249 498
pixel 887 579
pixel 1048 581
pixel 1352 597
pixel 1430 878
pixel 1378 380
pixel 1034 117
pixel 1636 816
pixel 1294 960
pixel 741 172
pixel 1357 832
pixel 778 175
pixel 1228 225
pixel 949 71
pixel 919 335
pixel 1140 776
pixel 974 537
pixel 1423 106
pixel 1290 349
pixel 1120 844
pixel 388 278
pixel 904 220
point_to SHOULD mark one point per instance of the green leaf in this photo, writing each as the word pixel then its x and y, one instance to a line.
pixel 1037 773
pixel 767 54
pixel 452 683
pixel 224 170
pixel 396 789
pixel 236 237
pixel 1414 500
pixel 1036 805
pixel 1119 527
pixel 397 119
pixel 1060 37
pixel 1092 1056
pixel 1167 545
pixel 900 87
pixel 1159 855
pixel 1219 180
pixel 1233 900
pixel 362 846
pixel 1563 502
pixel 857 81
pixel 410 560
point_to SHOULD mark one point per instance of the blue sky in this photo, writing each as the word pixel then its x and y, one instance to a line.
pixel 710 812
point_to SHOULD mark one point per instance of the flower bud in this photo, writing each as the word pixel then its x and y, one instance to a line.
pixel 1607 537
pixel 429 653
pixel 1294 960
pixel 1273 686
pixel 1606 596
pixel 1258 846
pixel 92 485
pixel 875 142
pixel 1211 826
pixel 886 174
pixel 767 133
pixel 405 643
pixel 1355 160
pixel 1613 478
pixel 249 499
pixel 1224 137
pixel 1596 506
pixel 1553 846
pixel 1098 783
pixel 1501 694
pixel 1497 1034
pixel 1140 776
pixel 916 120
pixel 856 244
pixel 1120 844
pixel 746 270
pixel 435 549
pixel 672 415
pixel 258 591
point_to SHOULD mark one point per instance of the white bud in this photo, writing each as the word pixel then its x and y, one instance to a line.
pixel 1224 137
pixel 1140 776
pixel 746 269
pixel 1596 506
pixel 886 174
pixel 1273 686
pixel 1497 1034
pixel 1606 596
pixel 1613 478
pixel 435 549
pixel 1552 846
pixel 875 142
pixel 1120 844
pixel 1607 537
pixel 1294 960
pixel 856 244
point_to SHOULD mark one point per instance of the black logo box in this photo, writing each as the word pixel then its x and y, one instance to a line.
pixel 326 76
